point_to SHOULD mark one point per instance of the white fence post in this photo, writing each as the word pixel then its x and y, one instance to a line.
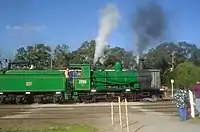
pixel 120 113
pixel 112 118
pixel 172 88
pixel 127 121
pixel 191 97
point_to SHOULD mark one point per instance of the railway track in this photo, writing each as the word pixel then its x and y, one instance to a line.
pixel 8 112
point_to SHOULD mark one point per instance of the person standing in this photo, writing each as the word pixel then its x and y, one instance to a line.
pixel 181 97
pixel 197 96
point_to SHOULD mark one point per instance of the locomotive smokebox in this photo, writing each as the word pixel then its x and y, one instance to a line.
pixel 141 64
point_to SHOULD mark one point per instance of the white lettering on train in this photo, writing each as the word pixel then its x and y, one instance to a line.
pixel 82 81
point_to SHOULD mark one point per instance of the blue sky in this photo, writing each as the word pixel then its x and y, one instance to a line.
pixel 52 22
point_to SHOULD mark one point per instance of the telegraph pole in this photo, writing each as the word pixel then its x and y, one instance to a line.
pixel 172 61
pixel 172 80
pixel 51 60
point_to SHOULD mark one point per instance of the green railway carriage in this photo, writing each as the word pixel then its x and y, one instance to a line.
pixel 32 81
pixel 32 85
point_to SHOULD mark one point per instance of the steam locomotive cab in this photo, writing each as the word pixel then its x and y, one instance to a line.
pixel 145 81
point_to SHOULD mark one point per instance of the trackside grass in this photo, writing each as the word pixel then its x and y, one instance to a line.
pixel 72 128
pixel 195 120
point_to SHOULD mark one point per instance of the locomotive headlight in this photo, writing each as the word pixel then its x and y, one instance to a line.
pixel 128 90
pixel 58 92
pixel 93 90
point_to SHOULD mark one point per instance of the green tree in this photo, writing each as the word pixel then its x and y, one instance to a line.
pixel 38 54
pixel 61 57
pixel 160 57
pixel 85 53
pixel 186 74
pixel 1 62
pixel 22 54
pixel 119 54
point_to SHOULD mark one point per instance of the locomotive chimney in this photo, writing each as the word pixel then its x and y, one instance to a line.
pixel 141 64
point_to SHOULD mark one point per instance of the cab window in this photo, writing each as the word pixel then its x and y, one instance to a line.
pixel 75 73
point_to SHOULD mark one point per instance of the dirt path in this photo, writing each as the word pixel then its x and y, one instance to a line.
pixel 151 122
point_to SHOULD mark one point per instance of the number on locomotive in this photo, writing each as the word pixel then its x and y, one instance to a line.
pixel 82 81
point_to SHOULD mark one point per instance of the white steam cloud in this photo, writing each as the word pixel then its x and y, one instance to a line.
pixel 109 17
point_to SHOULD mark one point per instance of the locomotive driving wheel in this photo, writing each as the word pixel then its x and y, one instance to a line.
pixel 18 100
pixel 115 99
pixel 88 98
pixel 55 99
pixel 1 99
pixel 38 99
pixel 109 98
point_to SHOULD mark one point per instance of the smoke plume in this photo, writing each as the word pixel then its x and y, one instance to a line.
pixel 149 25
pixel 108 21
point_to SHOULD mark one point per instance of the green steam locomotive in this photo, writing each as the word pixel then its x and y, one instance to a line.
pixel 78 83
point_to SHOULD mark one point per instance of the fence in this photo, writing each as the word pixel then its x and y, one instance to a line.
pixel 120 114
pixel 191 99
pixel 192 104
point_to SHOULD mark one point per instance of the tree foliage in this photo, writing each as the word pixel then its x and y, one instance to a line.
pixel 186 74
pixel 38 54
pixel 186 58
pixel 61 56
